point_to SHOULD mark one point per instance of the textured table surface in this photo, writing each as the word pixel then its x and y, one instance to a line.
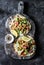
pixel 35 10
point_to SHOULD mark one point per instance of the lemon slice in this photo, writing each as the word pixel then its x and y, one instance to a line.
pixel 26 38
pixel 14 33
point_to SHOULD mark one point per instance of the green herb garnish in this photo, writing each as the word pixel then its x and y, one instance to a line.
pixel 18 31
pixel 26 52
pixel 30 40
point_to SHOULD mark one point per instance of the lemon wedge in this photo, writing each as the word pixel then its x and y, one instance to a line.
pixel 25 38
pixel 14 33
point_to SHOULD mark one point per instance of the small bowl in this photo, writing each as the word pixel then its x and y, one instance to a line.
pixel 9 38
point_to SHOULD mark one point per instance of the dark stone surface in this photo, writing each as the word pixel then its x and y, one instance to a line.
pixel 35 10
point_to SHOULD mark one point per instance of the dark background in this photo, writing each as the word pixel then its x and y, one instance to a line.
pixel 35 10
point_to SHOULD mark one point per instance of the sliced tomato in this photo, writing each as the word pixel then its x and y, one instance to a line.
pixel 24 46
pixel 23 54
pixel 16 23
pixel 27 27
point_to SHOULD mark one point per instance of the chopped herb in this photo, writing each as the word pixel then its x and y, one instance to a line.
pixel 18 31
pixel 19 48
pixel 17 19
pixel 30 41
pixel 26 52
pixel 23 21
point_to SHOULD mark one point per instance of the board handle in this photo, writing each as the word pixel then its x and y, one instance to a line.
pixel 20 7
